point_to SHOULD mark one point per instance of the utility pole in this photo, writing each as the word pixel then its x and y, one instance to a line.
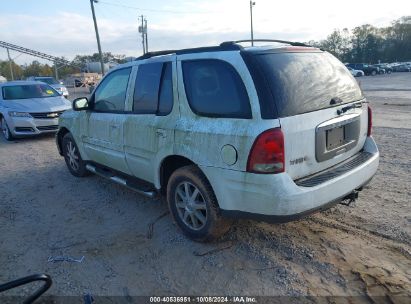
pixel 252 3
pixel 11 64
pixel 145 32
pixel 141 30
pixel 55 70
pixel 97 35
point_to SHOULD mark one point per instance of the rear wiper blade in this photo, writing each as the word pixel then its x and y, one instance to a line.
pixel 345 109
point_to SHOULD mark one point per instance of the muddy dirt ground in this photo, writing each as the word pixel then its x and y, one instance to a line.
pixel 131 247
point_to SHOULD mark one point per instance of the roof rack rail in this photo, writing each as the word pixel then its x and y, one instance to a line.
pixel 293 43
pixel 221 47
pixel 157 53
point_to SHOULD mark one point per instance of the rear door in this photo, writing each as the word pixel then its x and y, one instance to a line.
pixel 320 107
pixel 104 138
pixel 149 128
pixel 219 110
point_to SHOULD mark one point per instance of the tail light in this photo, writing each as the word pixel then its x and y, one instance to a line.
pixel 267 153
pixel 369 121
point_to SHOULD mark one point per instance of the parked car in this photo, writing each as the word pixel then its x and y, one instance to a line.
pixel 2 79
pixel 387 68
pixel 271 133
pixel 381 70
pixel 402 68
pixel 29 108
pixel 58 86
pixel 356 73
pixel 368 69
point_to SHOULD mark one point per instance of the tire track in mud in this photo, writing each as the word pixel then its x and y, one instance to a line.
pixel 378 265
pixel 325 257
pixel 401 246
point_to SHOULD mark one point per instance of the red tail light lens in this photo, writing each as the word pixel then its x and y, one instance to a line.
pixel 267 154
pixel 369 121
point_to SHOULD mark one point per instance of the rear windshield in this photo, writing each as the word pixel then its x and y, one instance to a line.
pixel 305 82
pixel 28 91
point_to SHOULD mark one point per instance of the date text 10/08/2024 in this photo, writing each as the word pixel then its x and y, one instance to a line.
pixel 205 299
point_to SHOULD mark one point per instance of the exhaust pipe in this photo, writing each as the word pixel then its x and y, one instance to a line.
pixel 350 198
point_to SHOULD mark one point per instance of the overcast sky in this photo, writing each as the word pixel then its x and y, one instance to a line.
pixel 65 27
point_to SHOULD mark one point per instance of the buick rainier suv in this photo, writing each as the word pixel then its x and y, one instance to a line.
pixel 270 133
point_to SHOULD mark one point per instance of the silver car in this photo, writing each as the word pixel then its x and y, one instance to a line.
pixel 58 86
pixel 29 108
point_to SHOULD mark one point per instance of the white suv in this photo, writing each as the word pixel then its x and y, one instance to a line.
pixel 271 133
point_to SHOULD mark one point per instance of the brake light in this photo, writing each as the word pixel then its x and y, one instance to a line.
pixel 267 153
pixel 369 121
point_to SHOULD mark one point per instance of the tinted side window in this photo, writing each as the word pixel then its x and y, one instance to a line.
pixel 214 89
pixel 147 87
pixel 111 93
pixel 165 104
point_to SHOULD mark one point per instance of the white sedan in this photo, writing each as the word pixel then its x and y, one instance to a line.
pixel 29 108
pixel 356 73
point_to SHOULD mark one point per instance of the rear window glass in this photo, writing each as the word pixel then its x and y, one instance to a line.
pixel 306 82
pixel 214 89
pixel 165 99
pixel 147 88
pixel 28 91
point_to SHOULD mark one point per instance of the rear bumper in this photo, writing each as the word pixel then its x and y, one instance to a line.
pixel 278 198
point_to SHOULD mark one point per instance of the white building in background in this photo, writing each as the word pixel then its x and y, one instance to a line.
pixel 129 59
pixel 95 67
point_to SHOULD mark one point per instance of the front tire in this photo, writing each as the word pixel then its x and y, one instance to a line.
pixel 194 206
pixel 373 73
pixel 74 162
pixel 5 130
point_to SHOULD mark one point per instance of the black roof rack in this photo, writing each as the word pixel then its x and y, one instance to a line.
pixel 153 54
pixel 219 48
pixel 293 43
pixel 225 46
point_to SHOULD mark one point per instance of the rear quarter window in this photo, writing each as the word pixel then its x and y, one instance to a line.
pixel 302 82
pixel 215 89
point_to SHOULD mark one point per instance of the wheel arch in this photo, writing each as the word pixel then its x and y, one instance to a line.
pixel 170 164
pixel 59 138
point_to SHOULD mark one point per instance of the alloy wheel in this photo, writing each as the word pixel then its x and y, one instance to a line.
pixel 191 206
pixel 72 155
pixel 4 128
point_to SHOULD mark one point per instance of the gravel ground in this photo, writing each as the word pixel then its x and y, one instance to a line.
pixel 131 247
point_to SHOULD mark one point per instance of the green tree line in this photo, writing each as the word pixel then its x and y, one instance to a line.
pixel 35 68
pixel 370 44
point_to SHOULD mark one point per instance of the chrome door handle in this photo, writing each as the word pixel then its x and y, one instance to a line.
pixel 161 133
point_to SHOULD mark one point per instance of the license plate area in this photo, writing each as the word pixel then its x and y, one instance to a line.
pixel 335 137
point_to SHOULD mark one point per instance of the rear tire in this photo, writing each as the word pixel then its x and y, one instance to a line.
pixel 193 205
pixel 5 130
pixel 74 162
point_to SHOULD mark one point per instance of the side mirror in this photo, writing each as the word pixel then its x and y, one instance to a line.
pixel 80 104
